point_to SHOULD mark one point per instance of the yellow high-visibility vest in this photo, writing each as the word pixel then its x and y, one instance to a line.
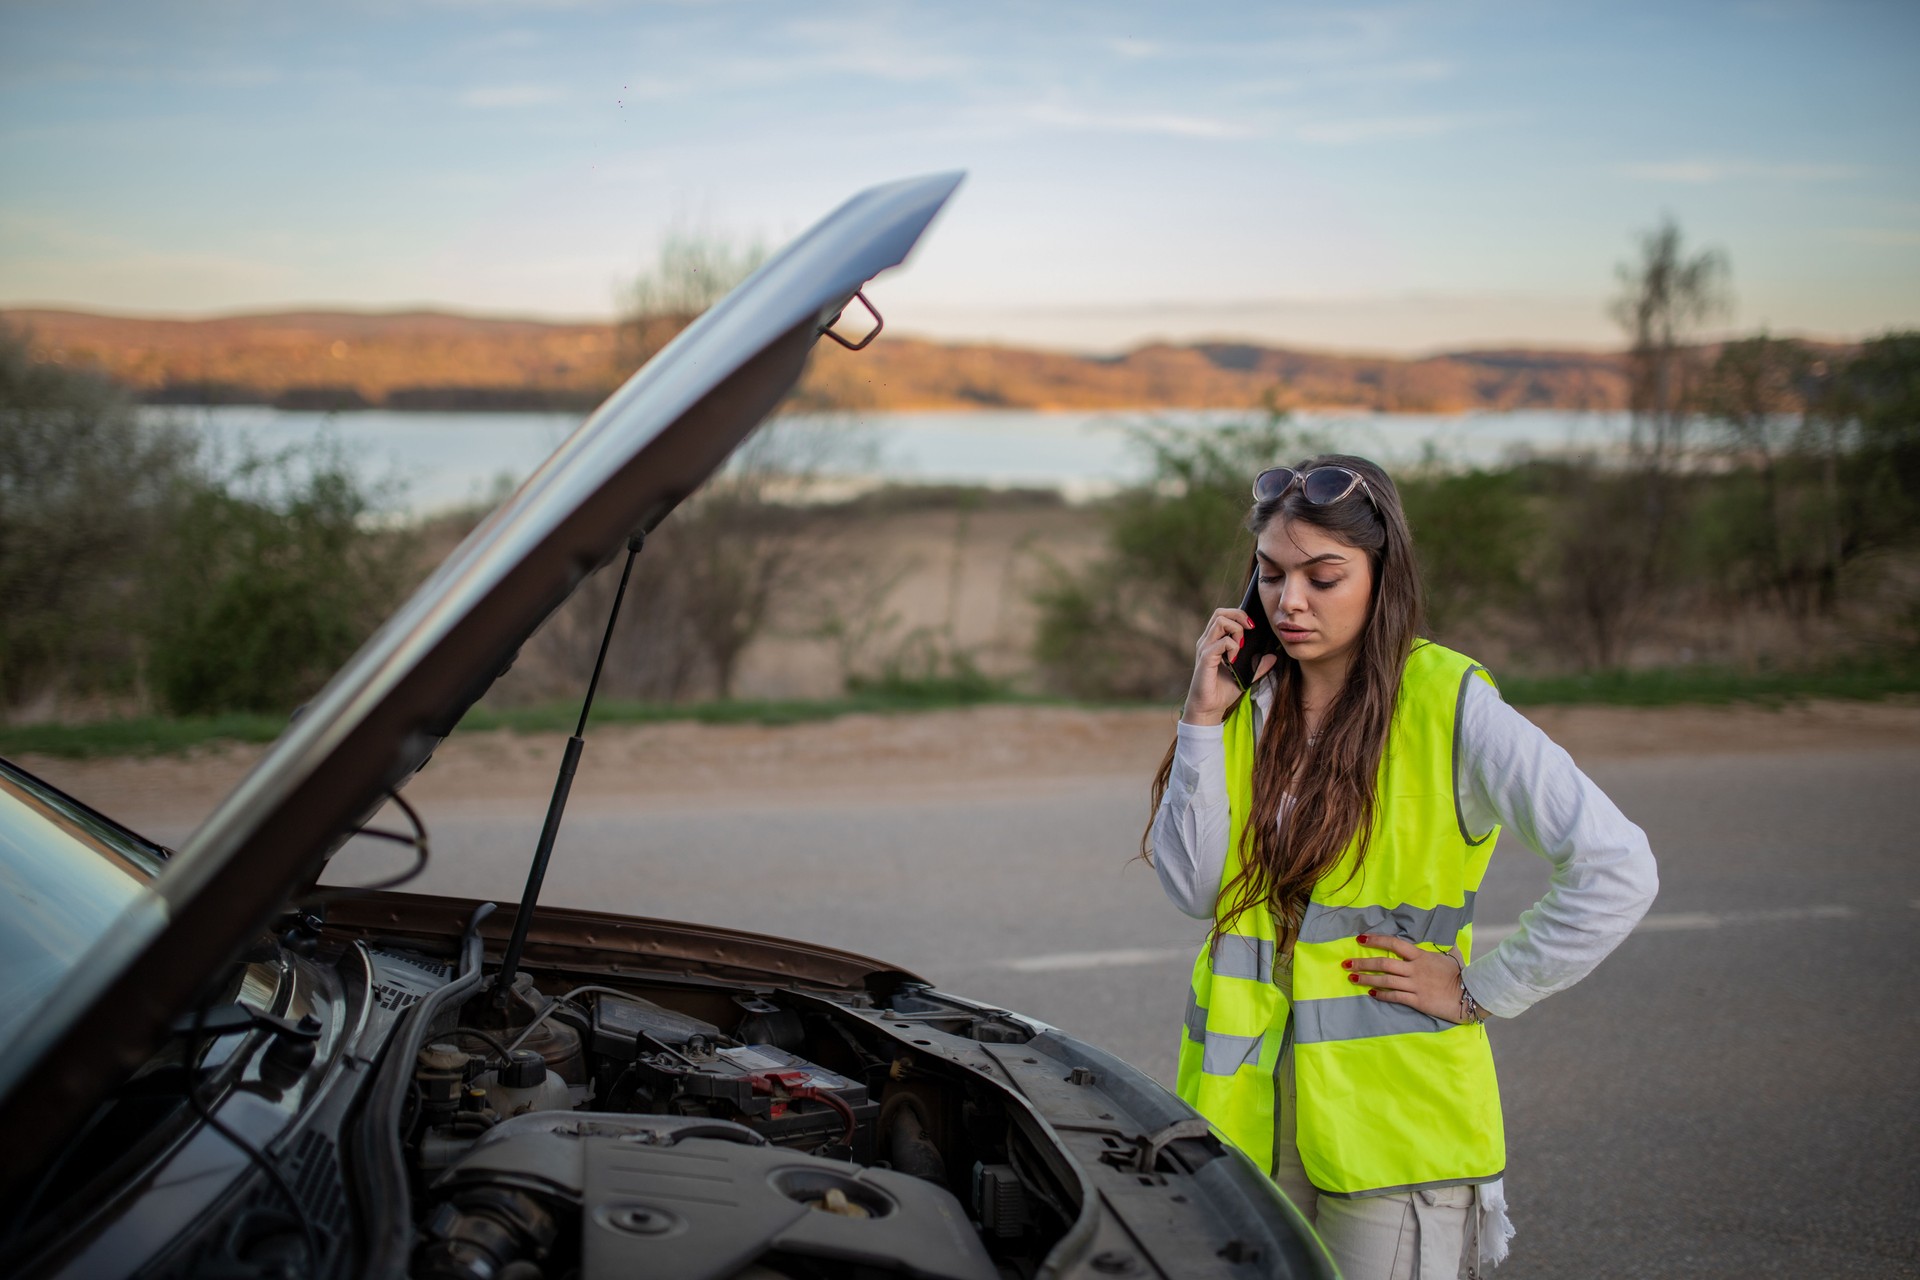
pixel 1389 1098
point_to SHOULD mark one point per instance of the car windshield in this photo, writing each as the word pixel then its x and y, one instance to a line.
pixel 66 875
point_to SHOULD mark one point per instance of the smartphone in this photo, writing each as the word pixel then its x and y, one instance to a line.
pixel 1260 639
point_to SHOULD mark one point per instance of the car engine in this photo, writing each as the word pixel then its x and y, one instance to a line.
pixel 700 1132
pixel 366 1099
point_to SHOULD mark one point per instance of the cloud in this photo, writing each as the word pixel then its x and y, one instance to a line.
pixel 1330 80
pixel 1706 172
pixel 509 40
pixel 492 97
pixel 1336 38
pixel 1057 116
pixel 1419 71
pixel 913 55
pixel 1341 133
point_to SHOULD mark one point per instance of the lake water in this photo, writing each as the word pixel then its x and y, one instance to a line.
pixel 444 460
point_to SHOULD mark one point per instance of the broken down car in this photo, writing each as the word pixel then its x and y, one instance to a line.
pixel 216 1066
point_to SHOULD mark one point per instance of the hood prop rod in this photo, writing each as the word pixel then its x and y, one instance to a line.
pixel 562 787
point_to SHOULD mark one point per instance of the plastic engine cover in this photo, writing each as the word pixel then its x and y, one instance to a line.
pixel 703 1208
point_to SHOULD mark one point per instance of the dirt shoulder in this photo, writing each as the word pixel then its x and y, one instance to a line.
pixel 867 757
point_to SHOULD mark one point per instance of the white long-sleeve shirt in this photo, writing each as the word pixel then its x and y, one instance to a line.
pixel 1508 773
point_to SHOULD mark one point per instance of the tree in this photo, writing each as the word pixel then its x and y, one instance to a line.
pixel 1760 391
pixel 1876 395
pixel 1177 550
pixel 1665 300
pixel 1591 588
pixel 693 271
pixel 84 489
pixel 1615 540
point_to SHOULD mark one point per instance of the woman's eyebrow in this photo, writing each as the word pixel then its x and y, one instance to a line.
pixel 1325 557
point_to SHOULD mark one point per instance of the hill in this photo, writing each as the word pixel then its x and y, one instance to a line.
pixel 436 360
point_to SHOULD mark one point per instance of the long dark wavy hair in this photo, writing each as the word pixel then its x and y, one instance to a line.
pixel 1334 781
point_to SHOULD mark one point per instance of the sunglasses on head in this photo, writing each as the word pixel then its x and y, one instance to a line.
pixel 1320 486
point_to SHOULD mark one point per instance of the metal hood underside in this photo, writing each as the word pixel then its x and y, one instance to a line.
pixel 647 448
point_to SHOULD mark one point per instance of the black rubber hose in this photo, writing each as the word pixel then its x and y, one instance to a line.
pixel 382 1188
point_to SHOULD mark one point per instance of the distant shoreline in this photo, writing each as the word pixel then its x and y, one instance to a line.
pixel 434 361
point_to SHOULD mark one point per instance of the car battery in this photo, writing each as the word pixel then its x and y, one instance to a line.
pixel 786 1099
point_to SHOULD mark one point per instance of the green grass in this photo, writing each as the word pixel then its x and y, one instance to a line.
pixel 1674 686
pixel 156 735
pixel 136 736
pixel 884 698
pixel 153 735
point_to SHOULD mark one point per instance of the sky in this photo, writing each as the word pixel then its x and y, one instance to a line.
pixel 1402 178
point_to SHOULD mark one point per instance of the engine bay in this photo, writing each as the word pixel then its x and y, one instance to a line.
pixel 578 1129
pixel 643 1099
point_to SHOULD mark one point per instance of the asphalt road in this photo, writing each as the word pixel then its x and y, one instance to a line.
pixel 1735 1092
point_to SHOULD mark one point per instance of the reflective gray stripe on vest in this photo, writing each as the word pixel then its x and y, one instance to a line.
pixel 1356 1018
pixel 1438 925
pixel 1476 1180
pixel 1225 1054
pixel 1235 955
pixel 1220 1054
pixel 1196 1020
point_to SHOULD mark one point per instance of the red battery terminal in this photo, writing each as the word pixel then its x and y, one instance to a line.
pixel 791 1086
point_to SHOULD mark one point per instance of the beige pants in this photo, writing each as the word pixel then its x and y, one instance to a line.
pixel 1411 1235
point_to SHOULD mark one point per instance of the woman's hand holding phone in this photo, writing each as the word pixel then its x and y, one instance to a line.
pixel 1214 690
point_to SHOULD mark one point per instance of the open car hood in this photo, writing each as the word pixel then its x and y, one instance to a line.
pixel 648 447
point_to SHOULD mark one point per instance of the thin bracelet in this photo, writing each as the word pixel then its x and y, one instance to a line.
pixel 1469 1007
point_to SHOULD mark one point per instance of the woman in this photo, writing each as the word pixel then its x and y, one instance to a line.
pixel 1334 822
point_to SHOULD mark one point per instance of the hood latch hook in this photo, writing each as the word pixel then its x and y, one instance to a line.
pixel 878 325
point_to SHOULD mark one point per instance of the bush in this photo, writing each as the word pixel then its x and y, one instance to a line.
pixel 271 577
pixel 1471 531
pixel 135 565
pixel 1124 627
pixel 742 553
pixel 1877 393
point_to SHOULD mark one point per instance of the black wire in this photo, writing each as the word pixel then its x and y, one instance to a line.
pixel 418 840
pixel 506 1056
pixel 308 1231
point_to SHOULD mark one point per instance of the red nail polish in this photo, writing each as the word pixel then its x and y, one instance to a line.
pixel 1362 939
pixel 1353 977
pixel 1374 992
pixel 1346 964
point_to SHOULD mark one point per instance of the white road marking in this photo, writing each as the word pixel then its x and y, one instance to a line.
pixel 1485 935
pixel 1098 959
pixel 1676 921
